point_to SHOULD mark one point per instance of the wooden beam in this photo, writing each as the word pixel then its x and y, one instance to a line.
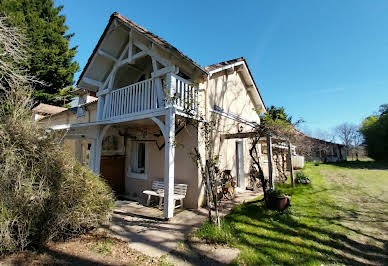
pixel 107 55
pixel 130 45
pixel 92 82
pixel 138 55
pixel 153 54
pixel 238 135
pixel 154 65
pixel 108 79
pixel 165 70
pixel 290 162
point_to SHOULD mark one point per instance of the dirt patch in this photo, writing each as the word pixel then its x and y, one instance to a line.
pixel 91 249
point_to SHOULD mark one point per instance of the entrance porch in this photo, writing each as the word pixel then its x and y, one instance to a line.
pixel 130 155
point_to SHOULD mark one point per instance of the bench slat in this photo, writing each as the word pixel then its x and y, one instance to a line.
pixel 180 189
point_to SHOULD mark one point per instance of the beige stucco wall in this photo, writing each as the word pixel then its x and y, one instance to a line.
pixel 186 172
pixel 226 90
pixel 69 117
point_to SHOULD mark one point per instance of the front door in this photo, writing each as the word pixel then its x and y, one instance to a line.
pixel 112 170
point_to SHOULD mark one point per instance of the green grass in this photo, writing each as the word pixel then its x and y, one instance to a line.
pixel 340 218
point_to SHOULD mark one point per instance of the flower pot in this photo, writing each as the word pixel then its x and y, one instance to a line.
pixel 279 203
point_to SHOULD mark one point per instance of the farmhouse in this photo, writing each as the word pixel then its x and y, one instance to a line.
pixel 134 93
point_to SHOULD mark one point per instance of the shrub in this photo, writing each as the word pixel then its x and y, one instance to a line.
pixel 302 178
pixel 45 193
pixel 301 175
pixel 316 163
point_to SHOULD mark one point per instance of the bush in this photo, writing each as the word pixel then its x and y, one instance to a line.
pixel 301 175
pixel 302 178
pixel 45 193
pixel 316 163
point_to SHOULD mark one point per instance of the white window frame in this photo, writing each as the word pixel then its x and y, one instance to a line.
pixel 133 160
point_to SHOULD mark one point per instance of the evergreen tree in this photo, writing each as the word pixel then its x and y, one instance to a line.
pixel 50 59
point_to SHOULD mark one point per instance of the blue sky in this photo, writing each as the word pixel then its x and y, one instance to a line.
pixel 324 61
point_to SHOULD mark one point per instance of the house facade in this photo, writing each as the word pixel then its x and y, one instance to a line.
pixel 135 94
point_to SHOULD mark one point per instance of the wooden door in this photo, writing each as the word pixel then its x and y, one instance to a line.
pixel 112 170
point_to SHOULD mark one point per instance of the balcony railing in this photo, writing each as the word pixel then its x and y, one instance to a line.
pixel 145 96
pixel 185 94
pixel 136 98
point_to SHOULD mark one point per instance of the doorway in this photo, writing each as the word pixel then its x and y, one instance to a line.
pixel 112 170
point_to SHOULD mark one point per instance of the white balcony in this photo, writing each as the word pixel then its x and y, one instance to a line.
pixel 148 96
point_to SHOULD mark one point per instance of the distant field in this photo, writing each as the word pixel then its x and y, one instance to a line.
pixel 342 217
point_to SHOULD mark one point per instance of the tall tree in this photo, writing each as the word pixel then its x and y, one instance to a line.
pixel 51 59
pixel 346 132
pixel 375 131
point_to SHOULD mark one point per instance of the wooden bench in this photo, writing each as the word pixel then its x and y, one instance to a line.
pixel 158 191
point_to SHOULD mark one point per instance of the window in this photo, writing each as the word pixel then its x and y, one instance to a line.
pixel 137 155
pixel 140 157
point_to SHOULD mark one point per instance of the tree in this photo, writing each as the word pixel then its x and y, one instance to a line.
pixel 323 134
pixel 375 132
pixel 346 132
pixel 280 129
pixel 43 189
pixel 357 140
pixel 50 59
pixel 277 113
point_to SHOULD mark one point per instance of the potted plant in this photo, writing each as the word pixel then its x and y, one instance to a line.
pixel 301 178
pixel 277 200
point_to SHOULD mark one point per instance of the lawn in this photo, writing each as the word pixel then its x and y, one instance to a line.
pixel 341 217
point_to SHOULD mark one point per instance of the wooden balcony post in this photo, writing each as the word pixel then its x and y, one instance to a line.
pixel 169 163
pixel 96 149
pixel 92 158
pixel 100 107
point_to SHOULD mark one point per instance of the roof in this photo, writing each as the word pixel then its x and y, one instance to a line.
pixel 153 37
pixel 315 139
pixel 225 63
pixel 48 109
pixel 94 101
pixel 233 61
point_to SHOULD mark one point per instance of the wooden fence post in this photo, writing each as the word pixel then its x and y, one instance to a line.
pixel 290 162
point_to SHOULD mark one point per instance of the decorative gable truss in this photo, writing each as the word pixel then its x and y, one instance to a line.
pixel 145 95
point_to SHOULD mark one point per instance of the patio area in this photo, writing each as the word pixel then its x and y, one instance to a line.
pixel 146 230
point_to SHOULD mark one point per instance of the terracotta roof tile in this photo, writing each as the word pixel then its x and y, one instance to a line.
pixel 48 109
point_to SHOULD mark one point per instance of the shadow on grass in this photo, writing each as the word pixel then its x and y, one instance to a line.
pixel 275 236
pixel 316 231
